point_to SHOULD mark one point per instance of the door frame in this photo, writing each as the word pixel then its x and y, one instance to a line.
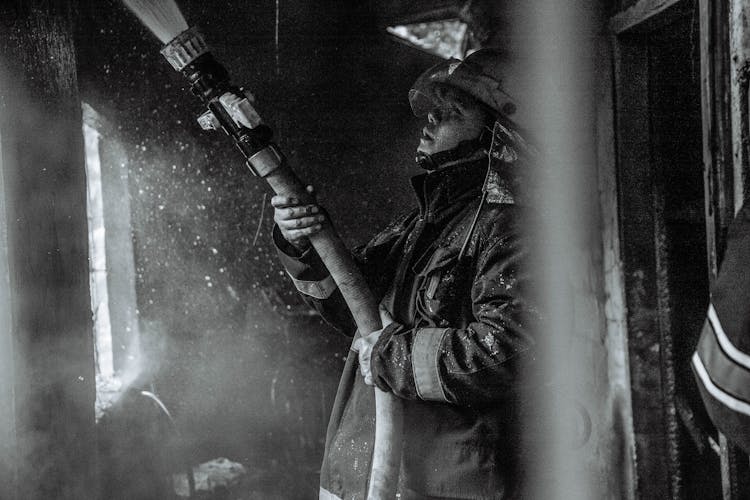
pixel 726 159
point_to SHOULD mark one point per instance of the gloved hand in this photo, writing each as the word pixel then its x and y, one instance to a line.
pixel 297 221
pixel 364 345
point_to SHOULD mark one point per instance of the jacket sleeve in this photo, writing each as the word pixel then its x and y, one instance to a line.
pixel 478 364
pixel 314 282
pixel 721 361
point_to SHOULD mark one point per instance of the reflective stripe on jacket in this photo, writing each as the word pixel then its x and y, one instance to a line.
pixel 721 362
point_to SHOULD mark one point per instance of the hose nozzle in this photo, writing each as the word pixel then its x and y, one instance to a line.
pixel 229 108
pixel 185 48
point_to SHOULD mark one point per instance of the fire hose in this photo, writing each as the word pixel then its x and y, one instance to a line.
pixel 230 110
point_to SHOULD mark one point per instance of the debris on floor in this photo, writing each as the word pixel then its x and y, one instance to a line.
pixel 219 473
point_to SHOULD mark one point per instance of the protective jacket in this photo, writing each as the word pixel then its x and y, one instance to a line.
pixel 721 361
pixel 461 334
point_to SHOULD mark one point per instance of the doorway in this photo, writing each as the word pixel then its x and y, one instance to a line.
pixel 663 236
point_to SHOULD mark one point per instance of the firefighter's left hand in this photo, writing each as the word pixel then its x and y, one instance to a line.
pixel 364 345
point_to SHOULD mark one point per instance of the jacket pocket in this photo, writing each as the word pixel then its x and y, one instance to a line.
pixel 445 288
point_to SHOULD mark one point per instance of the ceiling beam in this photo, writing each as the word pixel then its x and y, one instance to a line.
pixel 643 14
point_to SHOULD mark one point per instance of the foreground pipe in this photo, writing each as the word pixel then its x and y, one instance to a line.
pixel 230 109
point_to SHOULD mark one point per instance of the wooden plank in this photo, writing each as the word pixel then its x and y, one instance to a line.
pixel 638 256
pixel 8 442
pixel 734 470
pixel 707 111
pixel 396 12
pixel 615 305
pixel 717 147
pixel 44 192
pixel 739 73
pixel 642 12
pixel 722 123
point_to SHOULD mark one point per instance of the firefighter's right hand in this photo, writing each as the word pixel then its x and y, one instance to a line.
pixel 296 220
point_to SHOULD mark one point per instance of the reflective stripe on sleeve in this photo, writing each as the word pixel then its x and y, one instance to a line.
pixel 317 289
pixel 724 370
pixel 719 395
pixel 735 354
pixel 424 360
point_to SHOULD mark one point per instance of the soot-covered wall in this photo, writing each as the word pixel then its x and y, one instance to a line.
pixel 246 370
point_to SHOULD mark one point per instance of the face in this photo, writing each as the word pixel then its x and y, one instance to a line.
pixel 449 123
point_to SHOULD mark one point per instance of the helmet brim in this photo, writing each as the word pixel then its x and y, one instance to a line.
pixel 421 102
pixel 465 76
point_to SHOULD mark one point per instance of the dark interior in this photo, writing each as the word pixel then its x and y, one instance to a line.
pixel 664 241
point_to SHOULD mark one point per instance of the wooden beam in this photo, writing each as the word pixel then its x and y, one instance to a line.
pixel 48 384
pixel 641 14
pixel 717 140
pixel 397 12
pixel 8 444
pixel 739 49
pixel 615 305
pixel 638 253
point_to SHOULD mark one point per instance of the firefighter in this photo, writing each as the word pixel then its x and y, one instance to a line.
pixel 721 362
pixel 454 285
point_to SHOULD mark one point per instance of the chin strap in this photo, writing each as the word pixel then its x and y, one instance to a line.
pixel 465 149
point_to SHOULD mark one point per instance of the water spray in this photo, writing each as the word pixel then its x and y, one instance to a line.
pixel 188 468
pixel 230 109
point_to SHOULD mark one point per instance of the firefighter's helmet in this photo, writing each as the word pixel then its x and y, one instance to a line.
pixel 487 75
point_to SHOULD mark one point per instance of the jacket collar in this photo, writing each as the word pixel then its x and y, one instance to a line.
pixel 438 192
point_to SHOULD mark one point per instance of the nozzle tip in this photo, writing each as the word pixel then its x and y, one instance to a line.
pixel 185 48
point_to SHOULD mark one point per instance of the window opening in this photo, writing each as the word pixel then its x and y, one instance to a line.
pixel 446 38
pixel 111 275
